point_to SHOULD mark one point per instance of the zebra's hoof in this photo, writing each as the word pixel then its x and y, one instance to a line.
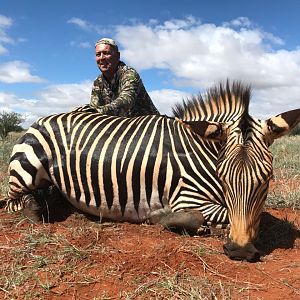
pixel 33 211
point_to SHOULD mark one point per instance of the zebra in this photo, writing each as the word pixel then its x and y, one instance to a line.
pixel 208 164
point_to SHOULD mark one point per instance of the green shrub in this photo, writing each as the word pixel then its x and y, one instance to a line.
pixel 10 121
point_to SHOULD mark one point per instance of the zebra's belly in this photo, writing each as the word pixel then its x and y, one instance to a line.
pixel 131 213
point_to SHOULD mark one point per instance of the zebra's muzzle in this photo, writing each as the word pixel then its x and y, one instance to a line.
pixel 236 252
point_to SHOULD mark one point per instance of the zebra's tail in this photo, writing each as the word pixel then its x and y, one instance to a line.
pixel 3 202
pixel 13 205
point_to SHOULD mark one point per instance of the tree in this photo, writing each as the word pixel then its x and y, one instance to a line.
pixel 10 121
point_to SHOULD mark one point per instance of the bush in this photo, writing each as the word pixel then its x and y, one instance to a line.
pixel 10 121
pixel 296 130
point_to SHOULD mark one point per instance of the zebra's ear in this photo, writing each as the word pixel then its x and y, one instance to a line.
pixel 280 125
pixel 209 130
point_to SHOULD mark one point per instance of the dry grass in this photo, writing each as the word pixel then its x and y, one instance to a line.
pixel 39 262
pixel 42 258
pixel 6 146
pixel 286 173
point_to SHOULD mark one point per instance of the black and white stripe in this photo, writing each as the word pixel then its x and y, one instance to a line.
pixel 119 168
pixel 212 157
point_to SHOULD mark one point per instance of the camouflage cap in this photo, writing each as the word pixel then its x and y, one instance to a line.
pixel 108 41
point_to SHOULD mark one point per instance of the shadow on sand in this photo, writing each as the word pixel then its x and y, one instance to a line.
pixel 275 233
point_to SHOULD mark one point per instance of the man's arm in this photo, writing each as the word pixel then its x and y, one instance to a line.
pixel 96 100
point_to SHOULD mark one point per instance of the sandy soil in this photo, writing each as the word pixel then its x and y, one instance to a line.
pixel 74 257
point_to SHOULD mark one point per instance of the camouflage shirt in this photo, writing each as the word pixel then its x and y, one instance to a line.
pixel 125 96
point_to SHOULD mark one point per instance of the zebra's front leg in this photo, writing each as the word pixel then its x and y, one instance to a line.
pixel 184 221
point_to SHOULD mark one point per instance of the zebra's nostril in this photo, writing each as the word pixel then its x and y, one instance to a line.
pixel 256 256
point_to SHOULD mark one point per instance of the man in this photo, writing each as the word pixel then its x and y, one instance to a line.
pixel 119 90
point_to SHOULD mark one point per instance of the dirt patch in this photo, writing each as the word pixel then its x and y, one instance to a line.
pixel 78 258
pixel 284 186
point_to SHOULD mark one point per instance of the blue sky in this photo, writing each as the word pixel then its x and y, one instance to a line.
pixel 47 62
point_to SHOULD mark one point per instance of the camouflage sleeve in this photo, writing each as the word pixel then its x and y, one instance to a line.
pixel 85 108
pixel 96 100
pixel 130 85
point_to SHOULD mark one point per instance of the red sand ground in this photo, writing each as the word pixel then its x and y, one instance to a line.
pixel 77 258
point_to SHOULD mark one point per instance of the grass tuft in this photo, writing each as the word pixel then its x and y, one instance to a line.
pixel 286 164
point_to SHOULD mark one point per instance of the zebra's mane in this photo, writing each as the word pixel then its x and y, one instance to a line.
pixel 221 103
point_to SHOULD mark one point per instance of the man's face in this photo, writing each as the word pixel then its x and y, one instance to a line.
pixel 107 59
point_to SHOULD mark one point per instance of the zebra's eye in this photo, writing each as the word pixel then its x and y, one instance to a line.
pixel 217 132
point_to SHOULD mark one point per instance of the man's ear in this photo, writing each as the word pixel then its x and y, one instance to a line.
pixel 208 130
pixel 280 125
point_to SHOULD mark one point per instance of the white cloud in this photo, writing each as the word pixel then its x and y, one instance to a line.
pixel 17 71
pixel 84 25
pixel 166 99
pixel 87 26
pixel 64 97
pixel 239 22
pixel 85 45
pixel 13 71
pixel 205 53
pixel 177 24
pixel 271 101
pixel 7 100
pixel 200 55
pixel 5 23
pixel 53 99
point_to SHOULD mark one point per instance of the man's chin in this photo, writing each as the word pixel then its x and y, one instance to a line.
pixel 103 68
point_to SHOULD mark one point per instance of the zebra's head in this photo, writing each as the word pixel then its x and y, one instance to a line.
pixel 244 163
